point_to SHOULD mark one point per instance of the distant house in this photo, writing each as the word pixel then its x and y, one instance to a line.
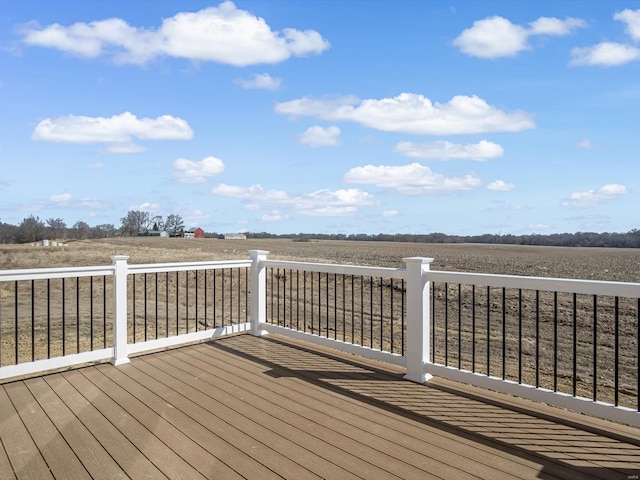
pixel 153 233
pixel 235 236
pixel 194 233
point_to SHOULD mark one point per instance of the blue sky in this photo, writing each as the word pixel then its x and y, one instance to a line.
pixel 323 116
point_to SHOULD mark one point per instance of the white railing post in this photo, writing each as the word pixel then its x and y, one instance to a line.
pixel 120 310
pixel 418 319
pixel 258 291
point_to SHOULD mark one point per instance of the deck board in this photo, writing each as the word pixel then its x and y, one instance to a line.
pixel 266 408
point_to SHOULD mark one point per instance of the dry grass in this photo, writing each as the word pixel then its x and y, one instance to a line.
pixel 361 322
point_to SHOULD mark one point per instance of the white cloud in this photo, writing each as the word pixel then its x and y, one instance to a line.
pixel 96 165
pixel 317 136
pixel 500 186
pixel 223 34
pixel 443 150
pixel 413 114
pixel 61 199
pixel 612 54
pixel 585 143
pixel 146 207
pixel 117 131
pixel 413 179
pixel 273 216
pixel 189 171
pixel 390 213
pixel 590 198
pixel 494 37
pixel 555 26
pixel 605 54
pixel 632 19
pixel 261 81
pixel 322 202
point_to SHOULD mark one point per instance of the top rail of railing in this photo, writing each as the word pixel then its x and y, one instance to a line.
pixel 588 287
pixel 183 266
pixel 339 269
pixel 61 272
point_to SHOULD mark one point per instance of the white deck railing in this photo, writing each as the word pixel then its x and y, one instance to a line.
pixel 444 321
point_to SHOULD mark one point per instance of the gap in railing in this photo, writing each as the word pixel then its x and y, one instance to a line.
pixel 48 318
pixel 166 304
pixel 581 345
pixel 362 310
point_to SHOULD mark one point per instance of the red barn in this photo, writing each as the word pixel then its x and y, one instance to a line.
pixel 194 233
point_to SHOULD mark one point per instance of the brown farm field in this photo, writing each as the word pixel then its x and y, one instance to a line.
pixel 562 262
pixel 489 321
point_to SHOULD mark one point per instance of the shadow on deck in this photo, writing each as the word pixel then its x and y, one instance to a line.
pixel 248 407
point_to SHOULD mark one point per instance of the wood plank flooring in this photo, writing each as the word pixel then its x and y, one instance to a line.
pixel 266 408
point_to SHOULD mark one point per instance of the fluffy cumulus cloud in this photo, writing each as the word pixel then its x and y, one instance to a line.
pixel 223 34
pixel 190 171
pixel 118 131
pixel 413 114
pixel 60 198
pixel 413 179
pixel 318 136
pixel 344 202
pixel 611 54
pixel 500 186
pixel 260 81
pixel 443 150
pixel 589 198
pixel 494 37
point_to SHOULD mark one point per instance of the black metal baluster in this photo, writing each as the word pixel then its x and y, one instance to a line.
pixel 64 326
pixel 186 299
pixel 15 321
pixel 48 318
pixel 156 291
pixel 504 333
pixel 91 310
pixel 575 346
pixel 488 331
pixel 371 312
pixel 177 303
pixel 166 303
pixel 473 328
pixel 361 310
pixel 433 322
pixel 459 326
pixel 537 338
pixel 402 295
pixel 77 314
pixel 133 305
pixel 196 295
pixel 33 321
pixel 145 307
pixel 215 301
pixel 392 316
pixel 555 341
pixel 104 311
pixel 446 324
pixel 205 299
pixel 595 348
pixel 616 367
pixel 519 335
pixel 335 306
pixel 381 315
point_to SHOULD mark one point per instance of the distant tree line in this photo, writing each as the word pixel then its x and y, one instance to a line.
pixel 134 223
pixel 630 239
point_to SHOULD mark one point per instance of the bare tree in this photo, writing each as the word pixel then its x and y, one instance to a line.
pixel 174 224
pixel 81 230
pixel 135 223
pixel 57 227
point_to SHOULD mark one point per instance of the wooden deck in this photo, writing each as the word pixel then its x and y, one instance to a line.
pixel 263 408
